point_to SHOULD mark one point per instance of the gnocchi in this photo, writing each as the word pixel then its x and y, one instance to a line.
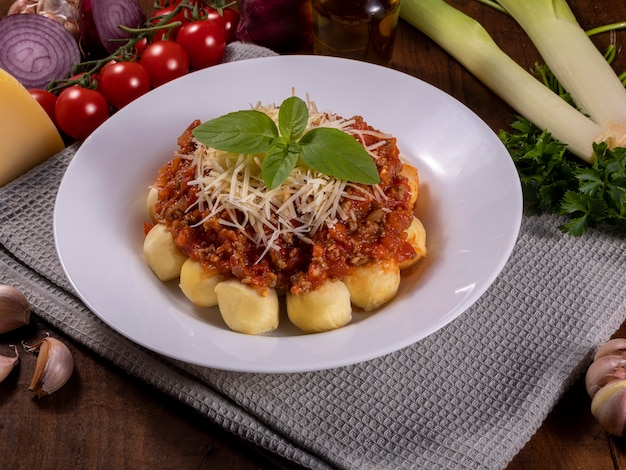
pixel 410 172
pixel 321 245
pixel 373 285
pixel 162 254
pixel 416 236
pixel 198 283
pixel 245 310
pixel 325 308
pixel 153 196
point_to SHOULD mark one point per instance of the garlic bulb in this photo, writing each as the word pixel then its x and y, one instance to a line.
pixel 54 366
pixel 64 12
pixel 23 6
pixel 7 364
pixel 606 385
pixel 14 309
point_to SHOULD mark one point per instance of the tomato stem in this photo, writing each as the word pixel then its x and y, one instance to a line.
pixel 125 52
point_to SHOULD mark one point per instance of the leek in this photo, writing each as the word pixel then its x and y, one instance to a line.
pixel 468 42
pixel 575 62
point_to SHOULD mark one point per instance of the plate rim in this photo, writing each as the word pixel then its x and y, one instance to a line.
pixel 287 368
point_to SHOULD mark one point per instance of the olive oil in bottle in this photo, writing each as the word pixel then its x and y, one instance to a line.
pixel 356 29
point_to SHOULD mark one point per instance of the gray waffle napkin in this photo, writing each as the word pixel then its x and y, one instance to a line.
pixel 469 396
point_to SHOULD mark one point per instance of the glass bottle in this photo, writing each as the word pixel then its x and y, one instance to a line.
pixel 356 29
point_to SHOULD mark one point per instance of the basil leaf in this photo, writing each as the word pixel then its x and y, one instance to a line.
pixel 293 117
pixel 335 153
pixel 248 131
pixel 327 150
pixel 278 164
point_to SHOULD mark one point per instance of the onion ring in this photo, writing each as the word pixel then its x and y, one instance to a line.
pixel 109 14
pixel 36 49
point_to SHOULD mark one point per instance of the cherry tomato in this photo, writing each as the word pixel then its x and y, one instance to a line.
pixel 164 61
pixel 124 82
pixel 140 46
pixel 203 41
pixel 167 33
pixel 108 64
pixel 211 14
pixel 46 100
pixel 231 21
pixel 228 18
pixel 92 81
pixel 78 111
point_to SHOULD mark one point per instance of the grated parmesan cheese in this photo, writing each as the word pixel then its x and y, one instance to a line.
pixel 300 206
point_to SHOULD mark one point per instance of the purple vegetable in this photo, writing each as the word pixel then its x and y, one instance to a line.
pixel 105 16
pixel 36 49
pixel 280 25
pixel 90 40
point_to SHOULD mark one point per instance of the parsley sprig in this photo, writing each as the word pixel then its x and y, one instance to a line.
pixel 327 150
pixel 554 180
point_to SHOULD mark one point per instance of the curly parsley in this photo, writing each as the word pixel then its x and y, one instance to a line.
pixel 555 180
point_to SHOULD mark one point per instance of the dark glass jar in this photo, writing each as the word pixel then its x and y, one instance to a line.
pixel 356 29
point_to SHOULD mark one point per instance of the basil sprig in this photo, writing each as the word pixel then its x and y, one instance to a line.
pixel 324 149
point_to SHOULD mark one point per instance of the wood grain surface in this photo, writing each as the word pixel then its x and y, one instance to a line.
pixel 105 419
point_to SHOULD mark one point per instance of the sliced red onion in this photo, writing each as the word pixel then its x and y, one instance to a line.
pixel 108 15
pixel 36 49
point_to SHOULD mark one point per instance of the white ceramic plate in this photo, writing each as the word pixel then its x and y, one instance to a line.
pixel 470 203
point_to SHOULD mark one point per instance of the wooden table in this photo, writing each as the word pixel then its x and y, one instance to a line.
pixel 105 419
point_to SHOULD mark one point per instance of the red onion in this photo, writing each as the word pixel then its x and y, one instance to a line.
pixel 281 25
pixel 108 15
pixel 36 49
pixel 91 44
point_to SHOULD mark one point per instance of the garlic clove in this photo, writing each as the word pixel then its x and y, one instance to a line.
pixel 54 366
pixel 14 309
pixel 7 364
pixel 22 6
pixel 603 370
pixel 613 347
pixel 609 407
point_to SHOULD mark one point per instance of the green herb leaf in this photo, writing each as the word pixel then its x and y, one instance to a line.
pixel 586 210
pixel 293 117
pixel 327 150
pixel 278 164
pixel 248 131
pixel 554 180
pixel 335 153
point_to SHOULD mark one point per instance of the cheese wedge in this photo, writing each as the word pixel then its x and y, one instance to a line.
pixel 27 135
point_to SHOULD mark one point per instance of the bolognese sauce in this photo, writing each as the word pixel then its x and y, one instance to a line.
pixel 371 223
